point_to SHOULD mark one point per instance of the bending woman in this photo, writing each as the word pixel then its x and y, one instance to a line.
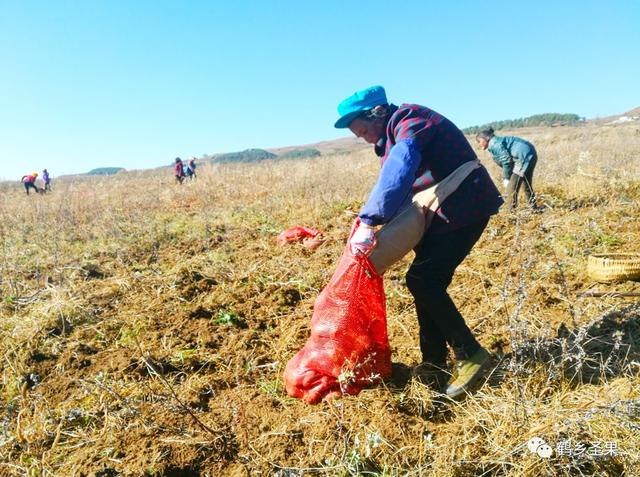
pixel 417 148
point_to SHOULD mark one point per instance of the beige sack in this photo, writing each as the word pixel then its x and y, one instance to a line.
pixel 404 232
pixel 398 237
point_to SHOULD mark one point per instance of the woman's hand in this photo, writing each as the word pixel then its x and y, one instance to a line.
pixel 362 240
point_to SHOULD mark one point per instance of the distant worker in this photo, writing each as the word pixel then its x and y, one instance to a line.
pixel 517 158
pixel 191 168
pixel 29 182
pixel 47 180
pixel 179 170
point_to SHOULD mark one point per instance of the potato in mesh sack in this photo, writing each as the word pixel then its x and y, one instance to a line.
pixel 348 348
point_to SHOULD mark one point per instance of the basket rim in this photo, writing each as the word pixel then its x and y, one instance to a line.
pixel 614 266
pixel 618 255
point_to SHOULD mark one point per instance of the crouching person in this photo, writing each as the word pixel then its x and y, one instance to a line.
pixel 518 159
pixel 29 182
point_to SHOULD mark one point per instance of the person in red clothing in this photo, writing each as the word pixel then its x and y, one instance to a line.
pixel 179 170
pixel 29 182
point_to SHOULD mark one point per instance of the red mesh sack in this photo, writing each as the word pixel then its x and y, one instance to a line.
pixel 348 348
pixel 294 234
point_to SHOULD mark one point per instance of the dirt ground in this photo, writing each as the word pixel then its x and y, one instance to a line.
pixel 145 326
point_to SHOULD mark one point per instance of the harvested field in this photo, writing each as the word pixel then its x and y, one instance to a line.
pixel 144 326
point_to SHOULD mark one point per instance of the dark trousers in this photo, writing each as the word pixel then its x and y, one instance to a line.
pixel 516 181
pixel 29 185
pixel 437 257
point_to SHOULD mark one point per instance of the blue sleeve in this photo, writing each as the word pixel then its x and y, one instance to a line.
pixel 394 183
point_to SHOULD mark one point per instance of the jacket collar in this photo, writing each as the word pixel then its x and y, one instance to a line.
pixel 380 147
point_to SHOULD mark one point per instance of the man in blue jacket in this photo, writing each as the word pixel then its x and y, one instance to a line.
pixel 418 148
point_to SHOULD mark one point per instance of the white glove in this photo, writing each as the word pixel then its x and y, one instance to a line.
pixel 505 183
pixel 362 239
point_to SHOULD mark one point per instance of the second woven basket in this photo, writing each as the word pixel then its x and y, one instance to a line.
pixel 613 267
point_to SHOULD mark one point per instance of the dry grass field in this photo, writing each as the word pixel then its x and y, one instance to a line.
pixel 145 326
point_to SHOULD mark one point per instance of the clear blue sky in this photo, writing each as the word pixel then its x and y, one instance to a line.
pixel 136 83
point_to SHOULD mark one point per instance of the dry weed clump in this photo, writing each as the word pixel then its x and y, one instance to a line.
pixel 144 326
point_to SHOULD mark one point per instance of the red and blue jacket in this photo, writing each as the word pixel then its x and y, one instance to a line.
pixel 420 148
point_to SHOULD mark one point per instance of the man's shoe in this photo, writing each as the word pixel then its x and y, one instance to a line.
pixel 431 375
pixel 468 373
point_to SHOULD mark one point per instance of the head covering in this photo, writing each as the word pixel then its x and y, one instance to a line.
pixel 359 102
pixel 34 174
pixel 486 133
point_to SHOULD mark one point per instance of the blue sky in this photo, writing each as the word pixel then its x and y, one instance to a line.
pixel 136 83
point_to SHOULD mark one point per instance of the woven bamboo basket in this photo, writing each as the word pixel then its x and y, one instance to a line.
pixel 613 267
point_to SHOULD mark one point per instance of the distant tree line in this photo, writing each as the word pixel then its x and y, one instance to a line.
pixel 248 155
pixel 299 153
pixel 104 171
pixel 257 155
pixel 546 119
